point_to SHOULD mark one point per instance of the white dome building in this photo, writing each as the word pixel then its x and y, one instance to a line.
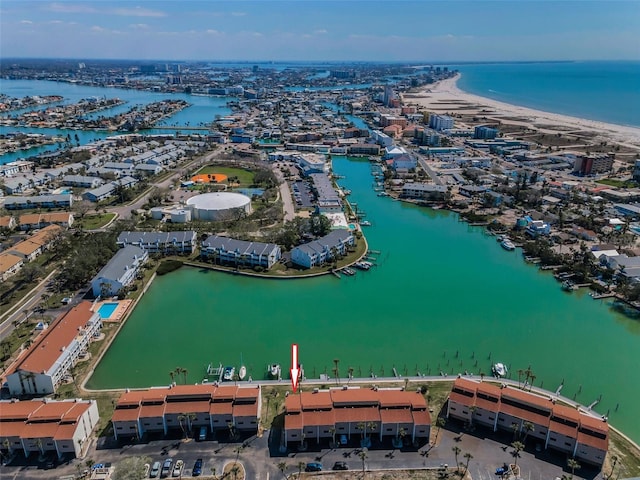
pixel 218 206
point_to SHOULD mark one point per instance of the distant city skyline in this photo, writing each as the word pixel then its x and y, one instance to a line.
pixel 356 30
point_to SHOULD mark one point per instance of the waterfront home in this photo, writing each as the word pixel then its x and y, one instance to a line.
pixel 364 149
pixel 45 425
pixel 230 251
pixel 323 415
pixel 160 242
pixel 41 368
pixel 40 201
pixel 33 221
pixel 573 432
pixel 424 191
pixel 10 264
pixel 183 408
pixel 119 272
pixel 323 249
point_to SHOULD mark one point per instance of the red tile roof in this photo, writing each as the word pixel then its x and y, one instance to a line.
pixel 245 410
pixel 49 345
pixel 396 415
pixel 187 407
pixel 125 414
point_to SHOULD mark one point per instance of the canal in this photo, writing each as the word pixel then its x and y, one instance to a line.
pixel 444 297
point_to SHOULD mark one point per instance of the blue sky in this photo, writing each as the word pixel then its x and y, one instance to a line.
pixel 395 30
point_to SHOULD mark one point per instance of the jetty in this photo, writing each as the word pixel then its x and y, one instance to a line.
pixel 215 372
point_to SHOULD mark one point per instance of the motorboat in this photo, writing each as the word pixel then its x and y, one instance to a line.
pixel 228 373
pixel 274 370
pixel 499 370
pixel 507 244
pixel 365 223
pixel 242 372
pixel 362 265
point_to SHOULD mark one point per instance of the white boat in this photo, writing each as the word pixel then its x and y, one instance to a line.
pixel 228 373
pixel 365 223
pixel 242 372
pixel 499 370
pixel 274 370
pixel 507 244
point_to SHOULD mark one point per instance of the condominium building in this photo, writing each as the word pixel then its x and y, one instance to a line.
pixel 41 426
pixel 119 272
pixel 322 414
pixel 41 368
pixel 562 428
pixel 322 250
pixel 186 407
pixel 424 191
pixel 160 242
pixel 230 251
pixel 592 164
pixel 440 122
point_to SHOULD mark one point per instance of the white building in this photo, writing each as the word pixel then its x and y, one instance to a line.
pixel 230 251
pixel 160 242
pixel 41 426
pixel 322 250
pixel 42 367
pixel 440 122
pixel 119 272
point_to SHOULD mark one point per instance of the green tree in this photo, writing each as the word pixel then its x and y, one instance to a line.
pixel 468 457
pixel 517 448
pixel 528 428
pixel 573 464
pixel 363 456
pixel 456 451
pixel 440 422
pixel 282 466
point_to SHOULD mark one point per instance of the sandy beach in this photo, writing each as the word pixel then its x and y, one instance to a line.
pixel 446 97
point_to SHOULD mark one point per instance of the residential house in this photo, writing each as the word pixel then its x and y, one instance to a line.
pixel 42 367
pixel 44 425
pixel 239 252
pixel 119 272
pixel 321 415
pixel 177 408
pixel 33 221
pixel 40 201
pixel 160 242
pixel 573 432
pixel 323 249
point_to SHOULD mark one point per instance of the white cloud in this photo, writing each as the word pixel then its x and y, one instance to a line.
pixel 211 31
pixel 139 26
pixel 99 29
pixel 26 22
pixel 138 12
pixel 238 14
pixel 321 31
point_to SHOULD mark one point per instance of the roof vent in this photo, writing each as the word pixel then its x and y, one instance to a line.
pixel 344 387
pixel 316 390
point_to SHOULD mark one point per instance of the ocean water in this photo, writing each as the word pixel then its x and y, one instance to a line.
pixel 603 91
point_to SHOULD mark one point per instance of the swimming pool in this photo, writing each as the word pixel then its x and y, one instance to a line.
pixel 106 310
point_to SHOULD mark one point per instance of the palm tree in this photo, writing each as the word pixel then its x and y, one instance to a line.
pixel 456 451
pixel 520 372
pixel 301 465
pixel 516 428
pixel 181 418
pixel 361 426
pixel 235 470
pixel 336 370
pixel 573 464
pixel 185 372
pixel 528 428
pixel 363 456
pixel 614 460
pixel 532 378
pixel 468 457
pixel 517 447
pixel 171 375
pixel 282 466
pixel 332 431
pixel 440 422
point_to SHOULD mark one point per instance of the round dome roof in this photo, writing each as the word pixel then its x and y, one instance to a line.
pixel 219 201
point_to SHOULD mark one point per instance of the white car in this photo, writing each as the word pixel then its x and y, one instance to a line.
pixel 177 469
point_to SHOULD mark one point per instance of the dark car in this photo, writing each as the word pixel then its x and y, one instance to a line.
pixel 166 468
pixel 313 467
pixel 340 466
pixel 197 468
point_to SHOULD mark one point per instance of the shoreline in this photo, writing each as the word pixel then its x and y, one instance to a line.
pixel 446 96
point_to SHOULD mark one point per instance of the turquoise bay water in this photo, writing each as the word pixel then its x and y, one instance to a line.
pixel 604 91
pixel 444 296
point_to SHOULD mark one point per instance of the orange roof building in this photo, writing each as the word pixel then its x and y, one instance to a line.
pixel 187 407
pixel 41 368
pixel 560 427
pixel 40 426
pixel 327 415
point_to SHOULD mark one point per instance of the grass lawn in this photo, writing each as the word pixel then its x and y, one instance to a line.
pixel 245 176
pixel 617 183
pixel 92 222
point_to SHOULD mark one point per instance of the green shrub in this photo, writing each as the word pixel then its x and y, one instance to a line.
pixel 167 266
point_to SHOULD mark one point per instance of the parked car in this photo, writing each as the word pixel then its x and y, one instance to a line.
pixel 340 466
pixel 177 469
pixel 166 468
pixel 197 468
pixel 155 470
pixel 343 440
pixel 203 434
pixel 313 467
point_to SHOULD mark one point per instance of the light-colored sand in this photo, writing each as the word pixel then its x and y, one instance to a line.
pixel 445 96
